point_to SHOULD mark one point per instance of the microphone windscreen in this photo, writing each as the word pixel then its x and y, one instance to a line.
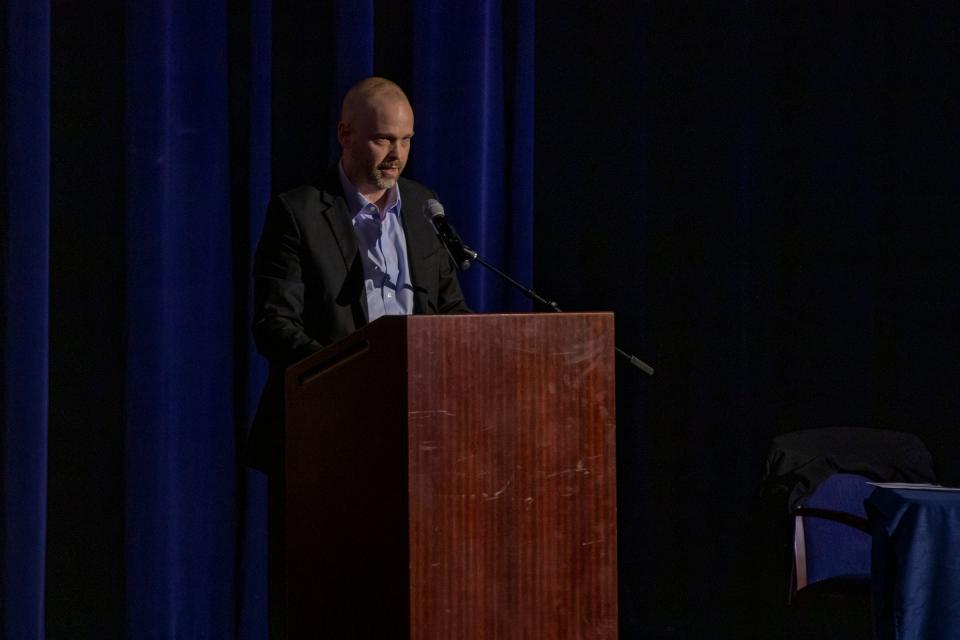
pixel 432 209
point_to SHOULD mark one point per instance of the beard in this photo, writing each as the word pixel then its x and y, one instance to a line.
pixel 383 181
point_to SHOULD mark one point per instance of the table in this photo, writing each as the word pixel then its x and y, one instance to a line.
pixel 916 563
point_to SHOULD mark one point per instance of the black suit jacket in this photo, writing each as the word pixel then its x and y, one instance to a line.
pixel 308 287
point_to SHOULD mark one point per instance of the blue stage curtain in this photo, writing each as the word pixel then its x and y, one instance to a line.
pixel 252 98
pixel 181 447
pixel 216 106
pixel 472 89
pixel 354 34
pixel 26 303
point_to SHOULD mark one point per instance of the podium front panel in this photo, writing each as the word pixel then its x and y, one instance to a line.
pixel 511 428
pixel 454 477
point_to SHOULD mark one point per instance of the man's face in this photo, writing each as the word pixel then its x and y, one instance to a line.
pixel 376 143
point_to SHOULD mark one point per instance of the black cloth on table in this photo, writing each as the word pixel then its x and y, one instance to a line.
pixel 800 460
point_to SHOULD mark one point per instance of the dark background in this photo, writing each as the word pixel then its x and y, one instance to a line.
pixel 765 194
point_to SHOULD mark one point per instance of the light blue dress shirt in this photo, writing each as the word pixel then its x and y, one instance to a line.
pixel 383 251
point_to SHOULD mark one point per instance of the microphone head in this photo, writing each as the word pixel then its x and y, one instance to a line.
pixel 432 209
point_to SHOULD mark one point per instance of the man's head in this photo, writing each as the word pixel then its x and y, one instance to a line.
pixel 376 125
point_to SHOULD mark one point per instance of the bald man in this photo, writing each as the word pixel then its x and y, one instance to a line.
pixel 376 126
pixel 340 253
pixel 334 256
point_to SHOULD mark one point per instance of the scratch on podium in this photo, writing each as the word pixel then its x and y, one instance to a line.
pixel 432 412
pixel 496 496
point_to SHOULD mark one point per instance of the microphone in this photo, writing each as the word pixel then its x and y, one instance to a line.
pixel 462 255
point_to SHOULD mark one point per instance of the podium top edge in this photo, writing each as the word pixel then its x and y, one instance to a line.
pixel 518 314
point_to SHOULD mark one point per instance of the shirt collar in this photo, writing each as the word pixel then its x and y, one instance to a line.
pixel 357 202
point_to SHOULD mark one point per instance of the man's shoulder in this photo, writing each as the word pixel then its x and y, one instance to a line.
pixel 311 197
pixel 301 197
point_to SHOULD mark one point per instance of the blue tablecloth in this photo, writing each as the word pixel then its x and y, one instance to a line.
pixel 916 563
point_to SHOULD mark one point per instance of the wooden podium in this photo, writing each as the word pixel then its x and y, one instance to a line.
pixel 453 478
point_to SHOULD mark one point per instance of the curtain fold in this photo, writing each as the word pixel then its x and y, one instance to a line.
pixel 180 457
pixel 26 304
pixel 217 101
pixel 471 143
pixel 251 63
pixel 354 34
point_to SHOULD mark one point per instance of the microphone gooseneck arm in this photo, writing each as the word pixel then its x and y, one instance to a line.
pixel 527 291
pixel 463 256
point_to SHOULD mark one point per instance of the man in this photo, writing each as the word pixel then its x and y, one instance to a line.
pixel 341 253
pixel 334 256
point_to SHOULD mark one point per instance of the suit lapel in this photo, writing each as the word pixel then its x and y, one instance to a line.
pixel 338 217
pixel 419 245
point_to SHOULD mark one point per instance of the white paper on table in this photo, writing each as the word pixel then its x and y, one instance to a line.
pixel 913 485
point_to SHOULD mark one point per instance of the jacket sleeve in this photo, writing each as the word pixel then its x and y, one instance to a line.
pixel 449 296
pixel 278 290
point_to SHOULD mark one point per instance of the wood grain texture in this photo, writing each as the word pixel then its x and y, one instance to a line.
pixel 511 428
pixel 454 477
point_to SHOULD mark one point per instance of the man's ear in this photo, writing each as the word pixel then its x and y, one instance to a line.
pixel 343 132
